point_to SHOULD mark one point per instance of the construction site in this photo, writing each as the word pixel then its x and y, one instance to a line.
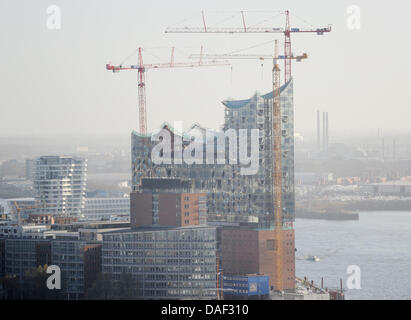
pixel 255 212
pixel 212 211
pixel 167 152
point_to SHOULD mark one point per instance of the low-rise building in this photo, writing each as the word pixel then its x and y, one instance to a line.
pixel 313 178
pixel 10 229
pixel 247 286
pixel 252 251
pixel 46 219
pixel 8 207
pixel 166 262
pixel 78 260
pixel 398 188
pixel 106 209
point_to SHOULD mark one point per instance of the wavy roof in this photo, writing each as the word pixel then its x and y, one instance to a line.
pixel 236 104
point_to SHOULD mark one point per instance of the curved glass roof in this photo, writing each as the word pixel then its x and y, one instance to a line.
pixel 235 104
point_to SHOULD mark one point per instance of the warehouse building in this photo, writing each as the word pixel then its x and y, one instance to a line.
pixel 393 188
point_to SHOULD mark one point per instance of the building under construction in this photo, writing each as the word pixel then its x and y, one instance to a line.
pixel 231 196
pixel 246 202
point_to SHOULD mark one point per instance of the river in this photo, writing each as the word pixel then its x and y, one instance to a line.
pixel 379 244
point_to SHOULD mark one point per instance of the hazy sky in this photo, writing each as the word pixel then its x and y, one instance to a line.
pixel 55 82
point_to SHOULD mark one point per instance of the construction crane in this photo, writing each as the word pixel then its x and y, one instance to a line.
pixel 261 57
pixel 277 187
pixel 276 130
pixel 142 68
pixel 18 209
pixel 246 56
pixel 276 121
pixel 287 30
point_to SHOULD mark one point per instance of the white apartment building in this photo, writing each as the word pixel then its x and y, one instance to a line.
pixel 60 184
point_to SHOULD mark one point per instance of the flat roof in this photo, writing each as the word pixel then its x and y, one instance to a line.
pixel 160 228
pixel 392 183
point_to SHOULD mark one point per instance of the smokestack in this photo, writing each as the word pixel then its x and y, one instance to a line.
pixel 318 131
pixel 327 132
pixel 324 134
pixel 393 150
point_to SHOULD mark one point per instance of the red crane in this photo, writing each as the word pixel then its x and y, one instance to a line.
pixel 287 30
pixel 142 68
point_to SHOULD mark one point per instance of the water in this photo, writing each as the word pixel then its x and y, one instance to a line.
pixel 379 243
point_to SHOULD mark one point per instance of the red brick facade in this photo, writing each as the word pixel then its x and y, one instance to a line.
pixel 246 251
pixel 141 209
pixel 174 209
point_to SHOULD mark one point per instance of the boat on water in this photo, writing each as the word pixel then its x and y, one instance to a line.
pixel 314 258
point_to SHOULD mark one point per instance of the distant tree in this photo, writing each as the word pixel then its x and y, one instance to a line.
pixel 35 287
pixel 126 287
pixel 105 288
pixel 11 287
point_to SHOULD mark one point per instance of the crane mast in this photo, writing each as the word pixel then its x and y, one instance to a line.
pixel 142 94
pixel 287 30
pixel 142 68
pixel 277 187
pixel 287 48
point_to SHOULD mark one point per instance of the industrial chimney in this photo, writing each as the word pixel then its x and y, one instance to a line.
pixel 318 132
pixel 326 131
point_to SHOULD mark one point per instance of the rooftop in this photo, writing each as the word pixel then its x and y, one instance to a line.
pixel 393 183
pixel 159 228
pixel 235 104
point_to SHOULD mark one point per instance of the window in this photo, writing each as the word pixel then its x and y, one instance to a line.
pixel 270 245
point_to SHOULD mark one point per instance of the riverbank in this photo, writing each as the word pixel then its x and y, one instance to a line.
pixel 343 216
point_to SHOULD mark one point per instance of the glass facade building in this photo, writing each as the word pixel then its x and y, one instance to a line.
pixel 167 263
pixel 231 196
pixel 69 256
pixel 22 255
pixel 106 209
